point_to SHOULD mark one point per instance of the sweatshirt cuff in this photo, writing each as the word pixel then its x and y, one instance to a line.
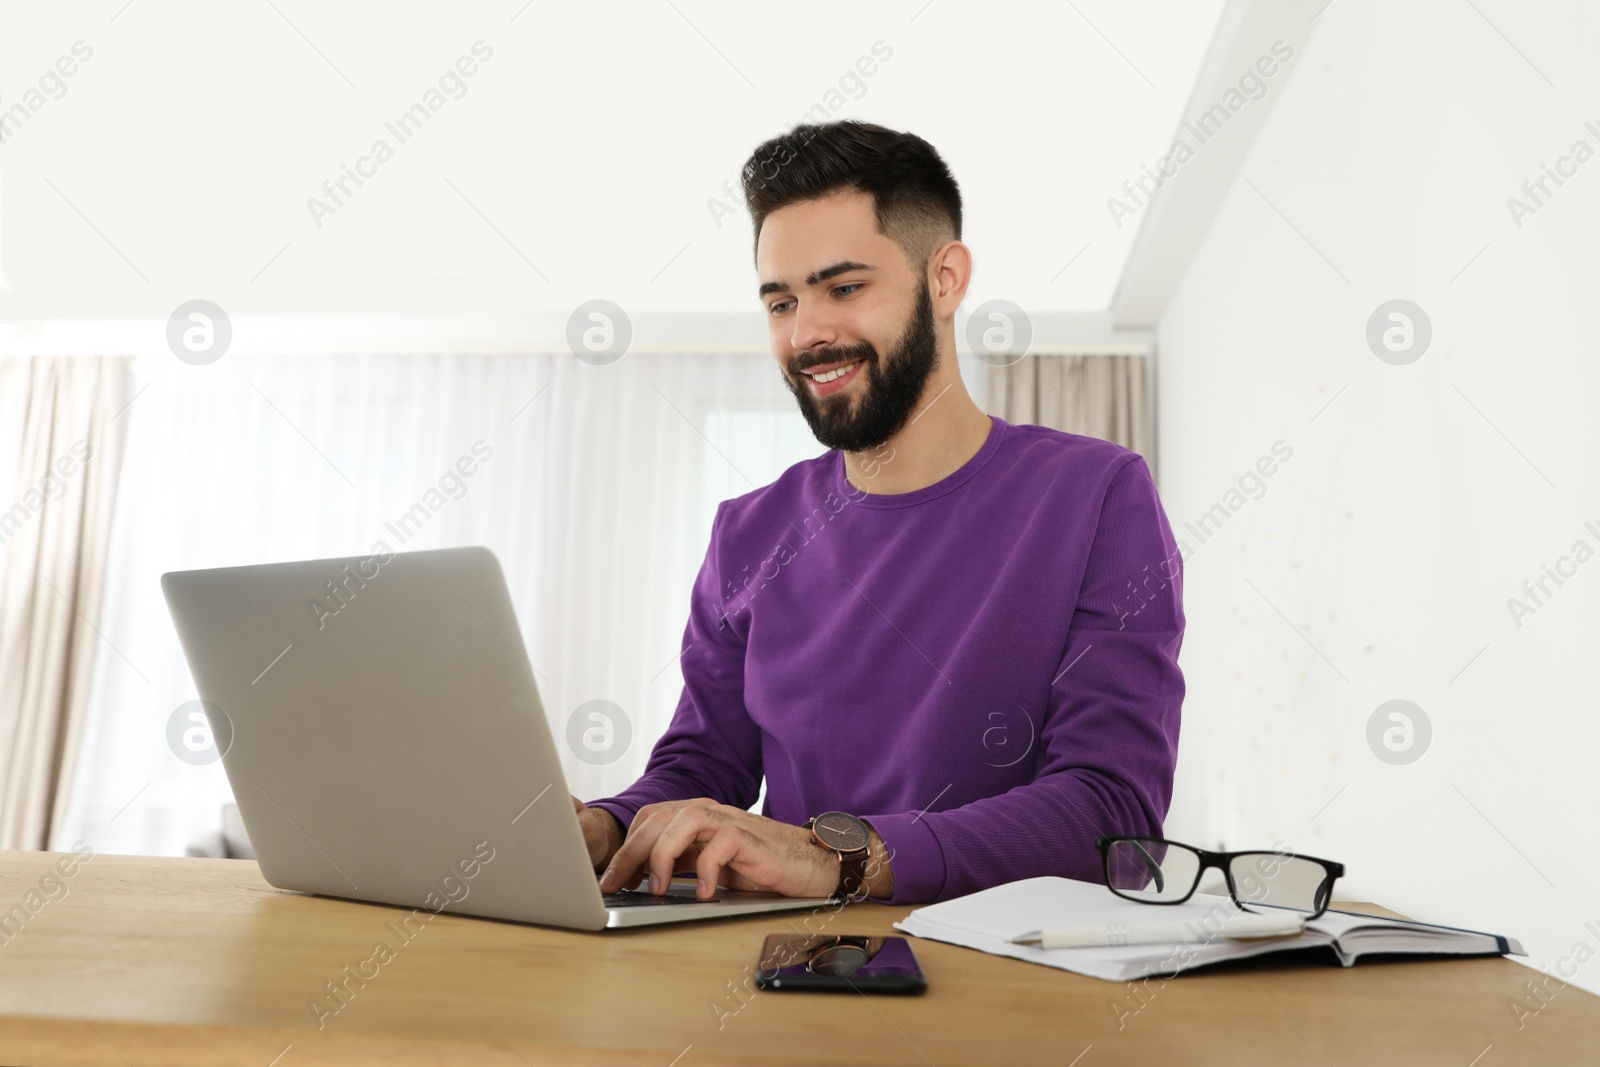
pixel 915 857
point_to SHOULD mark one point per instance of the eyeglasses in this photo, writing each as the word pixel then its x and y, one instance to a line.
pixel 1153 870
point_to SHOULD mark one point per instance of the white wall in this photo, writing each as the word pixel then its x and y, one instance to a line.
pixel 578 161
pixel 1378 562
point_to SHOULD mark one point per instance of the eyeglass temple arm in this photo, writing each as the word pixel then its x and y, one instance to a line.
pixel 1155 868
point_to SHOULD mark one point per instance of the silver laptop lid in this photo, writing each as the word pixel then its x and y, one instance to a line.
pixel 387 741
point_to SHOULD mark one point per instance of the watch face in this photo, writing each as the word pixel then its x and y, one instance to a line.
pixel 840 832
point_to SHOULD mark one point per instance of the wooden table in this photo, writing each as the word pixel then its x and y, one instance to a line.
pixel 169 961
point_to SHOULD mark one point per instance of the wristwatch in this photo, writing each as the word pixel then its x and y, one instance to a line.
pixel 846 836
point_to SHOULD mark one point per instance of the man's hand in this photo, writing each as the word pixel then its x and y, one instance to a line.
pixel 730 847
pixel 602 834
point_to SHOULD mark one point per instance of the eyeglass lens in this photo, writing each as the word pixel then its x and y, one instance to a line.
pixel 1275 880
pixel 1151 870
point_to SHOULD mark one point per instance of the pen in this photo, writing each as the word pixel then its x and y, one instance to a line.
pixel 1162 933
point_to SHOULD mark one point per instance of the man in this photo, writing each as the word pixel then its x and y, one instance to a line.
pixel 962 634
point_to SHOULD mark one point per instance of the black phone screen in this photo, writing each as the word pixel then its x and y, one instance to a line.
pixel 839 963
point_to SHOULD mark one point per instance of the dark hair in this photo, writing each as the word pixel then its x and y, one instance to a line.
pixel 914 195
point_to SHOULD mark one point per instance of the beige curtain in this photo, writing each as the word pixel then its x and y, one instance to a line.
pixel 60 451
pixel 1097 396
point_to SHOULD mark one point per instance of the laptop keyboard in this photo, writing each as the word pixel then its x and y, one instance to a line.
pixel 634 899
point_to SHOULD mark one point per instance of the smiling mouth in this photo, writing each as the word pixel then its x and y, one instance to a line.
pixel 835 374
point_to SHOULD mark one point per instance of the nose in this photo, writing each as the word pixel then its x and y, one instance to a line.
pixel 810 327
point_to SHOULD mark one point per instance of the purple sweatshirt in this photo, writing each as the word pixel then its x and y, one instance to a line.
pixel 984 669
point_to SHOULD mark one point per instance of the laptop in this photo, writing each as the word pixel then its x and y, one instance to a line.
pixel 378 721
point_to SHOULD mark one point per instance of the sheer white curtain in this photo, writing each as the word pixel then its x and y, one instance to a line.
pixel 598 499
pixel 60 450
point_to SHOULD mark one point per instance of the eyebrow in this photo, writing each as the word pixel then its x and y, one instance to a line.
pixel 841 267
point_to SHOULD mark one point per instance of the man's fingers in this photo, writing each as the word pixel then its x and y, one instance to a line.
pixel 628 867
pixel 622 872
pixel 682 832
pixel 643 854
pixel 716 856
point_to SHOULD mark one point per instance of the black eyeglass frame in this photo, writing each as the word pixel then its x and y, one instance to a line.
pixel 1219 860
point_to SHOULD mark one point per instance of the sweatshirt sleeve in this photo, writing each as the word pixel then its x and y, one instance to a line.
pixel 1108 745
pixel 712 748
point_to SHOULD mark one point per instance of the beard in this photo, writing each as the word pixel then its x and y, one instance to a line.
pixel 888 394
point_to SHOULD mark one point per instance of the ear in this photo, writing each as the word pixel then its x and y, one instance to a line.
pixel 949 272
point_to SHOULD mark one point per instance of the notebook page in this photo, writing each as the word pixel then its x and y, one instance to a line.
pixel 1377 933
pixel 986 920
pixel 1005 911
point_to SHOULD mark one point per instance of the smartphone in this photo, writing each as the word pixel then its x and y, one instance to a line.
pixel 839 963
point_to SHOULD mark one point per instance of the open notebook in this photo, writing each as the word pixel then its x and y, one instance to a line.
pixel 987 920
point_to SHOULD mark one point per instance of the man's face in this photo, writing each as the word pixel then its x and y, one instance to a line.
pixel 839 294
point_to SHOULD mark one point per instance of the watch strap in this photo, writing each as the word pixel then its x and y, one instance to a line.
pixel 852 866
pixel 852 875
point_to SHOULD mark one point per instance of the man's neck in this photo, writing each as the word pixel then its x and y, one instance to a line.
pixel 944 433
